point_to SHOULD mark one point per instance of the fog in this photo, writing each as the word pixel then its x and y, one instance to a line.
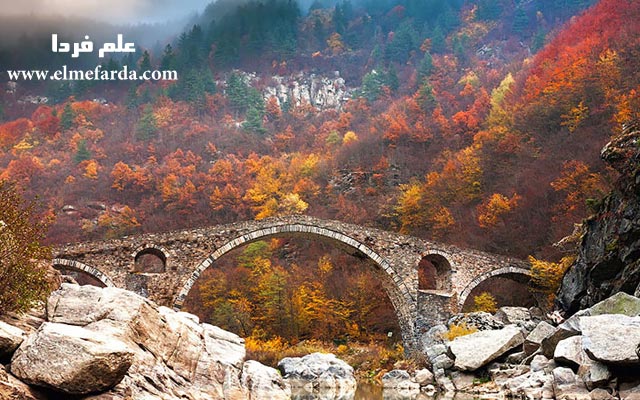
pixel 112 11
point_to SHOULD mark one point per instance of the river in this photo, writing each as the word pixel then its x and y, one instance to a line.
pixel 367 391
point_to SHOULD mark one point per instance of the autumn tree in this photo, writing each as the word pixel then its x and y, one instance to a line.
pixel 24 279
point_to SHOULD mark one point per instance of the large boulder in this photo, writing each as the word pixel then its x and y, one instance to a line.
pixel 317 370
pixel 264 383
pixel 173 354
pixel 10 339
pixel 569 352
pixel 477 349
pixel 612 339
pixel 71 359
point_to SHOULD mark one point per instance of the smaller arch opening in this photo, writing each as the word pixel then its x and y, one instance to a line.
pixel 81 277
pixel 507 289
pixel 434 273
pixel 150 260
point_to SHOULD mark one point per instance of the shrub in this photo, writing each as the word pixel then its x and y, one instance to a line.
pixel 485 302
pixel 461 329
pixel 24 279
pixel 546 276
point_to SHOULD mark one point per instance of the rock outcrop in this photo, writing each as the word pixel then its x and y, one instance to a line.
pixel 318 371
pixel 609 257
pixel 113 344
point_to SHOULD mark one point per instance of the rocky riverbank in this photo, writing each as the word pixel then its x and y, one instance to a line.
pixel 595 354
pixel 113 344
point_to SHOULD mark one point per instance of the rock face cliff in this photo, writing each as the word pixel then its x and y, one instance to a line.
pixel 609 257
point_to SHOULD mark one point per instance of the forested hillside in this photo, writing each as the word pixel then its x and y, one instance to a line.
pixel 478 123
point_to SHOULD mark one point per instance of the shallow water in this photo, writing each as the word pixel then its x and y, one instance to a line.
pixel 367 391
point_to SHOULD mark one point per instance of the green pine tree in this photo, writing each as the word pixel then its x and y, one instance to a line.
pixel 83 153
pixel 67 117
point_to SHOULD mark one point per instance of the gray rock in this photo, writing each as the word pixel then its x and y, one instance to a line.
pixel 515 358
pixel 480 320
pixel 477 349
pixel 14 389
pixel 71 359
pixel 611 339
pixel 601 394
pixel 540 363
pixel 399 379
pixel 594 374
pixel 630 391
pixel 423 377
pixel 619 303
pixel 570 327
pixel 436 350
pixel 433 336
pixel 319 370
pixel 534 339
pixel 264 382
pixel 443 361
pixel 462 381
pixel 569 352
pixel 513 315
pixel 567 385
pixel 10 339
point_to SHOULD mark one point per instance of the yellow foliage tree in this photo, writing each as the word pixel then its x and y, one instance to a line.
pixel 490 212
pixel 485 302
pixel 546 276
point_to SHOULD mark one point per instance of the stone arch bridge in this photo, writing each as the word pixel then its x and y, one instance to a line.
pixel 165 266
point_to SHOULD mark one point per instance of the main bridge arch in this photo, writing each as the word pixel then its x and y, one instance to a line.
pixel 401 298
pixel 490 274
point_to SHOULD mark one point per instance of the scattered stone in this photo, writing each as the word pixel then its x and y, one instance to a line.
pixel 443 361
pixel 477 349
pixel 539 363
pixel 534 339
pixel 611 339
pixel 513 315
pixel 567 385
pixel 600 394
pixel 594 374
pixel 264 382
pixel 71 359
pixel 569 351
pixel 434 336
pixel 318 369
pixel 570 327
pixel 515 358
pixel 400 380
pixel 423 377
pixel 480 320
pixel 630 391
pixel 10 339
pixel 14 389
pixel 462 381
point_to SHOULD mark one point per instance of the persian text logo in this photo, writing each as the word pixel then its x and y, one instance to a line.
pixel 86 46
